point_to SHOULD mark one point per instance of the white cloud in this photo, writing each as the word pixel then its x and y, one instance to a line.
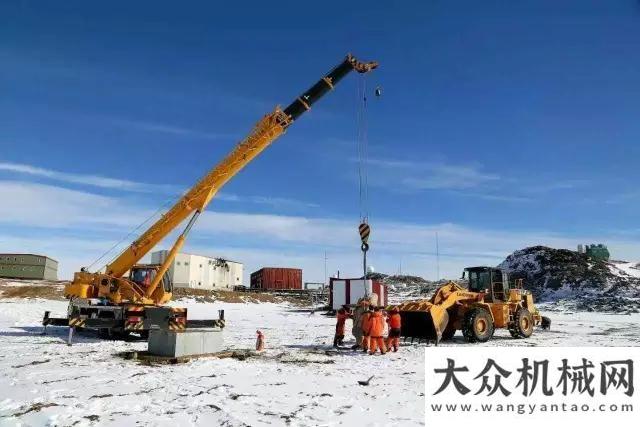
pixel 84 179
pixel 462 179
pixel 417 176
pixel 494 197
pixel 261 239
pixel 171 129
pixel 622 198
pixel 132 186
pixel 450 177
pixel 276 202
pixel 569 184
pixel 46 206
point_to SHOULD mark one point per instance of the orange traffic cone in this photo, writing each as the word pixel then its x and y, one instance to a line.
pixel 259 341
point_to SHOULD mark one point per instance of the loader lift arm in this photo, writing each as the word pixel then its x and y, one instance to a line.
pixel 112 286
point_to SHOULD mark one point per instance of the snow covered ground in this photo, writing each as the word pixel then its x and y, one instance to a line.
pixel 299 380
pixel 624 267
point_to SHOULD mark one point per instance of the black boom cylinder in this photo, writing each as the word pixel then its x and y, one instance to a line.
pixel 325 84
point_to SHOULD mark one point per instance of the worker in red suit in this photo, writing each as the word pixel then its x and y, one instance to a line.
pixel 395 324
pixel 341 318
pixel 259 341
pixel 376 332
pixel 366 328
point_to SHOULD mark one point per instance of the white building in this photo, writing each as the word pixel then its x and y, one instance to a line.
pixel 201 272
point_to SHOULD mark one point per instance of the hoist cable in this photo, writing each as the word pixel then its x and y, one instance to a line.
pixel 365 150
pixel 362 143
pixel 359 142
pixel 361 136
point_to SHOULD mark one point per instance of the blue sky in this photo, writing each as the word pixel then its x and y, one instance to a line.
pixel 501 125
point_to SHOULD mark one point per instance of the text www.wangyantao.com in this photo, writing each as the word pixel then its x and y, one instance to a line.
pixel 530 408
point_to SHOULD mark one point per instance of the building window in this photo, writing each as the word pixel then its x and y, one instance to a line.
pixel 200 265
pixel 186 263
pixel 178 263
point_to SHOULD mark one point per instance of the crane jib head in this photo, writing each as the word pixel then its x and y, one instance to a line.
pixel 361 67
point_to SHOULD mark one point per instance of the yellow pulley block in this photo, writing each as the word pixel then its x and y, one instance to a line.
pixel 365 230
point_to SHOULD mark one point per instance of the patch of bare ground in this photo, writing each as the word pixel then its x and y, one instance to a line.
pixel 36 407
pixel 14 288
pixel 47 289
pixel 202 295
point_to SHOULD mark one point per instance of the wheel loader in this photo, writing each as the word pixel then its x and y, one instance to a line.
pixel 489 302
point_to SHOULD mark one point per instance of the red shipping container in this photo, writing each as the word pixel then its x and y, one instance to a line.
pixel 273 278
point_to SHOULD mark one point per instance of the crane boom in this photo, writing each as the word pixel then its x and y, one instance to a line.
pixel 270 127
pixel 195 200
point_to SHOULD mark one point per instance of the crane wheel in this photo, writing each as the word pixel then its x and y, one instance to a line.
pixel 522 326
pixel 478 325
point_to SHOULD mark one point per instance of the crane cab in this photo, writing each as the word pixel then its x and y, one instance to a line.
pixel 143 274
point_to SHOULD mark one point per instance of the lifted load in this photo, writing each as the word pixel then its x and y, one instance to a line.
pixel 489 302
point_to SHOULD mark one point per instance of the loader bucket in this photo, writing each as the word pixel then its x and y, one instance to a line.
pixel 423 321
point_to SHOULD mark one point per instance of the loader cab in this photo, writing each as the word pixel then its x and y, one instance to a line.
pixel 489 280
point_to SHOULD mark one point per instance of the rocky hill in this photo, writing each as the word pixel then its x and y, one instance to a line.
pixel 406 287
pixel 573 280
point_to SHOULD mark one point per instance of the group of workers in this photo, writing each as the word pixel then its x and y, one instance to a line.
pixel 368 327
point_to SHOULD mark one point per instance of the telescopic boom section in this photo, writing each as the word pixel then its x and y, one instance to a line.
pixel 197 198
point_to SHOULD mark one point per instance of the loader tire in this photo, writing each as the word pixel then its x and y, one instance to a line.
pixel 478 325
pixel 522 326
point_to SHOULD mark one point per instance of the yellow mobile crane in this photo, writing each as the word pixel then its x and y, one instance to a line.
pixel 117 305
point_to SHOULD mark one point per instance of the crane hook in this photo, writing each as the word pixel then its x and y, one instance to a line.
pixel 378 91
